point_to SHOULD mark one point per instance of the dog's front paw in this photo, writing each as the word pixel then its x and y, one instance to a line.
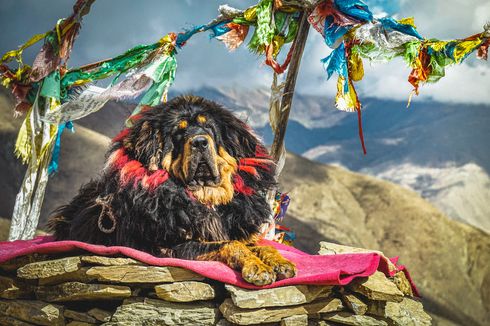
pixel 284 269
pixel 258 273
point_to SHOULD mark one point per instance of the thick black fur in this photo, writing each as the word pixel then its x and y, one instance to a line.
pixel 167 217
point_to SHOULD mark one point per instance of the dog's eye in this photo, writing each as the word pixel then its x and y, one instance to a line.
pixel 183 124
pixel 201 119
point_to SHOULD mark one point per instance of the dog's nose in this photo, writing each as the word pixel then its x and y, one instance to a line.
pixel 200 143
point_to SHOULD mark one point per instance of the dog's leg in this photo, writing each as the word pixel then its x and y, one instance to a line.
pixel 235 254
pixel 281 266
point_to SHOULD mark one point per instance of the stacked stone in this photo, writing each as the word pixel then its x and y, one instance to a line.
pixel 92 290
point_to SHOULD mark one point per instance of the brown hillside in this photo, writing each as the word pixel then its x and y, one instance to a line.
pixel 449 261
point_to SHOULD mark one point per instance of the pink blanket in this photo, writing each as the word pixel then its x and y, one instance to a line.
pixel 312 269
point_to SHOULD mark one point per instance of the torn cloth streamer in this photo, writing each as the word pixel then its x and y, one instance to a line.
pixel 36 148
pixel 36 139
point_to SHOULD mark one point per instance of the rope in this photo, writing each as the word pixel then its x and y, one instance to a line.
pixel 106 211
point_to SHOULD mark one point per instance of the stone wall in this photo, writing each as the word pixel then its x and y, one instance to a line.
pixel 87 290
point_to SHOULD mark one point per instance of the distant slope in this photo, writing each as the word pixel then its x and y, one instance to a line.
pixel 449 261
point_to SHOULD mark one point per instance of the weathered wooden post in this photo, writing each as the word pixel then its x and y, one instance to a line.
pixel 278 151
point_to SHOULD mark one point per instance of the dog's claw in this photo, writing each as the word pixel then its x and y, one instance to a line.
pixel 285 269
pixel 258 273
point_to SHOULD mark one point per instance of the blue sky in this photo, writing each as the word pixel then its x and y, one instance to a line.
pixel 114 26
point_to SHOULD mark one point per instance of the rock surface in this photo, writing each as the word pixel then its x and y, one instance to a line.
pixel 377 287
pixel 141 274
pixel 13 289
pixel 35 312
pixel 109 261
pixel 409 312
pixel 79 316
pixel 287 295
pixel 185 291
pixel 347 318
pixel 76 291
pixel 49 268
pixel 99 314
pixel 297 320
pixel 354 303
pixel 273 314
pixel 144 311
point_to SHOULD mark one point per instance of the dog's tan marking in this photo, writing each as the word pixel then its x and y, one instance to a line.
pixel 183 124
pixel 167 161
pixel 224 191
pixel 238 256
pixel 201 119
pixel 270 256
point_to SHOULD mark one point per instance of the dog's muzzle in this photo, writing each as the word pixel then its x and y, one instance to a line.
pixel 203 170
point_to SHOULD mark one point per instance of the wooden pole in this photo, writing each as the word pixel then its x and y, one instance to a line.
pixel 277 149
pixel 288 93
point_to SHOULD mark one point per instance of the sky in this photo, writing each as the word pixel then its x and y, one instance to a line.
pixel 114 26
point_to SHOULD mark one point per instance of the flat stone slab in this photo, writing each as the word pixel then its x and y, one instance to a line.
pixel 109 261
pixel 281 296
pixel 79 323
pixel 347 318
pixel 79 316
pixel 409 312
pixel 76 291
pixel 142 274
pixel 403 284
pixel 377 287
pixel 99 314
pixel 31 311
pixel 316 322
pixel 6 320
pixel 17 262
pixel 242 316
pixel 185 291
pixel 49 268
pixel 144 311
pixel 12 289
pixel 354 303
pixel 297 320
pixel 79 275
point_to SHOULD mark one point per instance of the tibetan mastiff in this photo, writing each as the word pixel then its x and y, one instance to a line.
pixel 187 180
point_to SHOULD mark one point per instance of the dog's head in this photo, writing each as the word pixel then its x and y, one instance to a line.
pixel 199 144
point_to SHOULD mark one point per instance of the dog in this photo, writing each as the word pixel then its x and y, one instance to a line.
pixel 187 180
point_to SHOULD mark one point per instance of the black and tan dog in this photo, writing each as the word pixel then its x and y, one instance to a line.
pixel 187 180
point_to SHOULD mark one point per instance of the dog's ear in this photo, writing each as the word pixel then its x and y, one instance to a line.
pixel 238 138
pixel 150 146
